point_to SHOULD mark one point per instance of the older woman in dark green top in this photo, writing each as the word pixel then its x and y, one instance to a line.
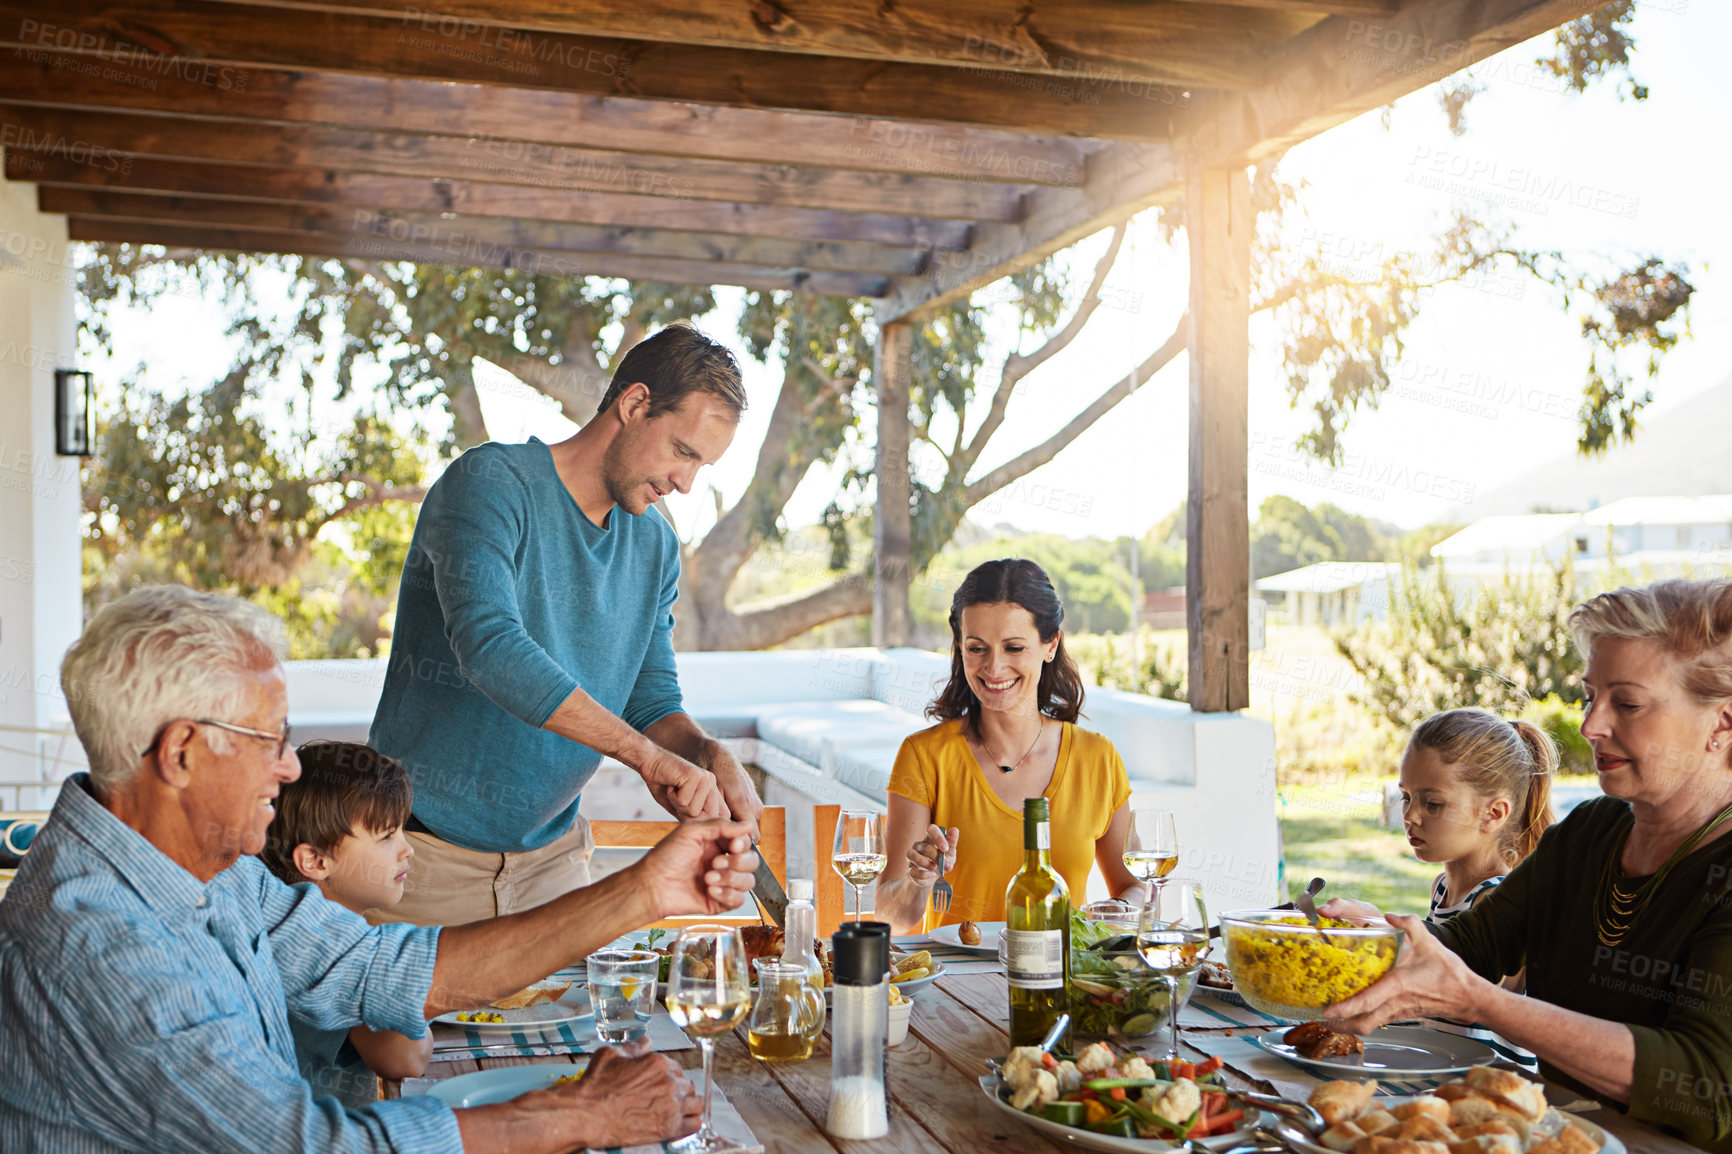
pixel 1623 915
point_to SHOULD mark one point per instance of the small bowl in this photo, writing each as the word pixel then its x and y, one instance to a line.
pixel 1284 966
pixel 899 1012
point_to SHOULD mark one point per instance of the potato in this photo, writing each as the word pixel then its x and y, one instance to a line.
pixel 968 934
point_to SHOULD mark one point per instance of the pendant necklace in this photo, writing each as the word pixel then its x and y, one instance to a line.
pixel 1013 768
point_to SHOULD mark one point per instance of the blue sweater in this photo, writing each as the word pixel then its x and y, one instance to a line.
pixel 511 598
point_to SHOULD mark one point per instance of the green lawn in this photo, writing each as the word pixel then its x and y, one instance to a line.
pixel 1335 832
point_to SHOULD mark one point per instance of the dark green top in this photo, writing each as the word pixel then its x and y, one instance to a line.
pixel 1670 980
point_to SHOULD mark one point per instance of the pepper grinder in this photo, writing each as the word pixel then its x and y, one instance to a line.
pixel 859 1024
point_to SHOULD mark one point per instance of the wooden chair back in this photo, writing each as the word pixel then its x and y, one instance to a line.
pixel 772 847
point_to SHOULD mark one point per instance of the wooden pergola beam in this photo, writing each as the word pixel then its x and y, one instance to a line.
pixel 816 256
pixel 475 198
pixel 456 249
pixel 1123 104
pixel 1064 38
pixel 505 162
pixel 1332 73
pixel 275 96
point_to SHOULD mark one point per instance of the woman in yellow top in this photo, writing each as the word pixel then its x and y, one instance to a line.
pixel 1006 732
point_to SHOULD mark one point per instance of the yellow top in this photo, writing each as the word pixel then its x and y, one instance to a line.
pixel 935 768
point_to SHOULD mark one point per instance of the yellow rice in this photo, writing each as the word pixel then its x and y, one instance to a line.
pixel 1301 969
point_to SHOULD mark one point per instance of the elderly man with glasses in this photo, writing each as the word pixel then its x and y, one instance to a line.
pixel 149 964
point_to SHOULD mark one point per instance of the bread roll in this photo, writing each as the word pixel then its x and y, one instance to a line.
pixel 1341 1136
pixel 1425 1128
pixel 1340 1101
pixel 1509 1089
pixel 1423 1104
pixel 1471 1111
pixel 1376 1122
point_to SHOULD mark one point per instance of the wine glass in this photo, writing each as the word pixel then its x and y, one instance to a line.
pixel 1172 937
pixel 859 851
pixel 1151 846
pixel 709 993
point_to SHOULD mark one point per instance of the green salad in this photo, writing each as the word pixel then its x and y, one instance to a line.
pixel 1111 990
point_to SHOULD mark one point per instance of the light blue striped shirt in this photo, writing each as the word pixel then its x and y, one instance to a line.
pixel 142 1011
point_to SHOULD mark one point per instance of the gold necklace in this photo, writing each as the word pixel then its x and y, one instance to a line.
pixel 1618 907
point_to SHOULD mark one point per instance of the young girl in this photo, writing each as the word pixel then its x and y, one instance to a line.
pixel 1476 796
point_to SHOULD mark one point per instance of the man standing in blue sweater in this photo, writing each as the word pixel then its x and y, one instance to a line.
pixel 534 634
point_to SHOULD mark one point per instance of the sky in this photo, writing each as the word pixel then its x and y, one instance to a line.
pixel 1492 373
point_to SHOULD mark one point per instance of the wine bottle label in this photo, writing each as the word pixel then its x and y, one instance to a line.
pixel 1034 959
pixel 1042 836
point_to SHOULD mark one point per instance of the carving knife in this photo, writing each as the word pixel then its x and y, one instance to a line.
pixel 772 899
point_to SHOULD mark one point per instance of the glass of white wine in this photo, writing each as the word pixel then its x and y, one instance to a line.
pixel 859 854
pixel 1172 937
pixel 1151 846
pixel 709 993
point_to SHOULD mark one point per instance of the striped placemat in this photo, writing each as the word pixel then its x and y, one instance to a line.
pixel 454 1043
pixel 723 1117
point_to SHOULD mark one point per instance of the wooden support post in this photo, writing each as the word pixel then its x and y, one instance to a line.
pixel 892 525
pixel 1219 222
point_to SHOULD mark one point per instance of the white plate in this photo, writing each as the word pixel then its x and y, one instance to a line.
pixel 989 931
pixel 1394 1052
pixel 489 1087
pixel 1089 1139
pixel 571 1008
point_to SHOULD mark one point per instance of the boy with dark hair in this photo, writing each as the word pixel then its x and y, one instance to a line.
pixel 340 826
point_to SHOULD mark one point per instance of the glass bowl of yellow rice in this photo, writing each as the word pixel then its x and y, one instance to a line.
pixel 1283 965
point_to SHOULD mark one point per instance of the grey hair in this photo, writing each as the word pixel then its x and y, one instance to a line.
pixel 157 655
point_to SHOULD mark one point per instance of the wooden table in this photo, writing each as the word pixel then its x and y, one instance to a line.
pixel 936 1106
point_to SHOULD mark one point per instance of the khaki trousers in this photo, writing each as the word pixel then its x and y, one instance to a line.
pixel 450 886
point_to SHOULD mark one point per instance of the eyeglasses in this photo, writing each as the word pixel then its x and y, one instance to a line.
pixel 282 738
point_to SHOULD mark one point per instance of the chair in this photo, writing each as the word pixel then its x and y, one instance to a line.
pixel 772 847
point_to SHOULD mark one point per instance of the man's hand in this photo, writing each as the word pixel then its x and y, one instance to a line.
pixel 632 1097
pixel 687 791
pixel 702 867
pixel 738 792
pixel 1429 981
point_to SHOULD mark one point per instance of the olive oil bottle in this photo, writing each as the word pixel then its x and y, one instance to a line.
pixel 1037 934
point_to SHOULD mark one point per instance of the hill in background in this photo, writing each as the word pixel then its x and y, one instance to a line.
pixel 1679 453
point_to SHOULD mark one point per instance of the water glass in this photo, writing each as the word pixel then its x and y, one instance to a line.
pixel 622 993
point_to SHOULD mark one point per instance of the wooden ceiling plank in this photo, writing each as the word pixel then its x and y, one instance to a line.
pixel 1341 68
pixel 825 256
pixel 1088 39
pixel 478 255
pixel 507 162
pixel 207 35
pixel 476 198
pixel 494 113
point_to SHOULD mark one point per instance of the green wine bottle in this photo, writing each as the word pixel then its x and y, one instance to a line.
pixel 1037 935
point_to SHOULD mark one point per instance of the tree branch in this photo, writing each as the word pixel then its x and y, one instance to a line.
pixel 1053 445
pixel 1017 365
pixel 770 623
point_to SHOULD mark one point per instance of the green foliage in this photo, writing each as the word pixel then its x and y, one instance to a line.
pixel 1500 646
pixel 1107 660
pixel 1287 535
pixel 1563 720
pixel 1090 575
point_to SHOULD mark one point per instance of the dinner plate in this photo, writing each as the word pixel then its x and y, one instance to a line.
pixel 1089 1139
pixel 1395 1052
pixel 537 1017
pixel 989 931
pixel 490 1087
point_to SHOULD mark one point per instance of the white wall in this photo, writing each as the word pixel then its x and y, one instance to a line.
pixel 40 608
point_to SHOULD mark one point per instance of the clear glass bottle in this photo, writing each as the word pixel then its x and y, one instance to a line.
pixel 800 939
pixel 1037 935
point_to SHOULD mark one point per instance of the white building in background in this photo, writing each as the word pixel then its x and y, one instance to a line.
pixel 1644 537
pixel 1332 593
